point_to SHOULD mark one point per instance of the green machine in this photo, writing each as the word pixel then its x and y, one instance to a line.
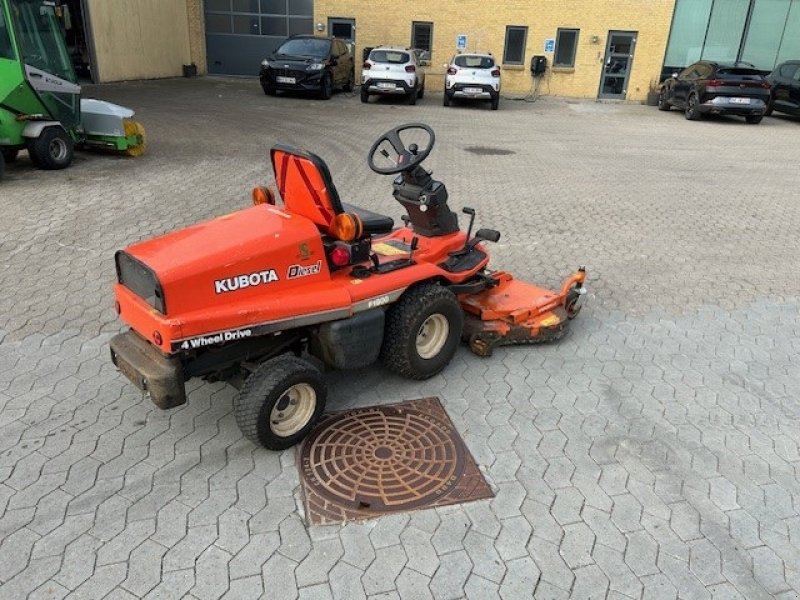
pixel 41 109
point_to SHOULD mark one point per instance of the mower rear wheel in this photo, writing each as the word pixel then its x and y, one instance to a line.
pixel 422 332
pixel 52 150
pixel 280 402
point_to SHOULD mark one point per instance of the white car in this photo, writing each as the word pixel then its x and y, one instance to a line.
pixel 473 77
pixel 392 71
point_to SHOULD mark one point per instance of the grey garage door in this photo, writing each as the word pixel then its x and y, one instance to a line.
pixel 241 33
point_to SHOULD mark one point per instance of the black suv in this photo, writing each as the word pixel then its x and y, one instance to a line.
pixel 785 80
pixel 309 63
pixel 710 88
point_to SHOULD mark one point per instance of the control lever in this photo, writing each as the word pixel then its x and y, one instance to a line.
pixel 471 212
pixel 405 219
pixel 413 247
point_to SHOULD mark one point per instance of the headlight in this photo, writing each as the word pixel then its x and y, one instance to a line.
pixel 316 67
pixel 265 63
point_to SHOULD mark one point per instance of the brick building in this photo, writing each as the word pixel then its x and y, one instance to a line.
pixel 615 49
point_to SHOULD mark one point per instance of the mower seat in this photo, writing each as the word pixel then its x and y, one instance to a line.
pixel 305 184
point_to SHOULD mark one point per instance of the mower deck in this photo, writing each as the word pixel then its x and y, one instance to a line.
pixel 515 312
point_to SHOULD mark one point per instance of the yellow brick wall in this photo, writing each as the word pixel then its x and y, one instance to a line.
pixel 389 22
pixel 197 35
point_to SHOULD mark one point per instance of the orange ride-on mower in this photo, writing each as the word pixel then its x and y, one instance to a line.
pixel 251 296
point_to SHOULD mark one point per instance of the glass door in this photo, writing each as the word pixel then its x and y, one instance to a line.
pixel 617 65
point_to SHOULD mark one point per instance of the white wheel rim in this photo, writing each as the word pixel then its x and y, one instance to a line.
pixel 293 410
pixel 432 335
pixel 58 149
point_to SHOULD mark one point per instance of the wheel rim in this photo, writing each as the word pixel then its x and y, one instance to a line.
pixel 58 149
pixel 690 107
pixel 661 99
pixel 293 410
pixel 432 335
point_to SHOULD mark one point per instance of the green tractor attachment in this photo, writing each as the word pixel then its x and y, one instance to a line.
pixel 41 109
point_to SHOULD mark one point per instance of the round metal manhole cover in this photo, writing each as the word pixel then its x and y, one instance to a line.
pixel 383 458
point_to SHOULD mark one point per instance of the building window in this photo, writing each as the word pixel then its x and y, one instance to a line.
pixel 514 49
pixel 422 35
pixel 422 40
pixel 566 45
pixel 6 51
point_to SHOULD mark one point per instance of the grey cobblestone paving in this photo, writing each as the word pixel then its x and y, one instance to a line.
pixel 652 453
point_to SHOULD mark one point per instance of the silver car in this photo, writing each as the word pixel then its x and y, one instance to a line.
pixel 392 71
pixel 473 77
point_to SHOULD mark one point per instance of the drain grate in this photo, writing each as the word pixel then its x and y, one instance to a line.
pixel 369 461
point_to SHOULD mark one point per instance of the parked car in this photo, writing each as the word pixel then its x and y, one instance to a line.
pixel 392 71
pixel 309 63
pixel 711 88
pixel 473 77
pixel 785 92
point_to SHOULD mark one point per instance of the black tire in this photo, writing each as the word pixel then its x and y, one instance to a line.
pixel 573 305
pixel 266 388
pixel 662 101
pixel 412 97
pixel 421 94
pixel 446 99
pixel 753 119
pixel 351 83
pixel 326 86
pixel 496 102
pixel 9 154
pixel 770 108
pixel 408 322
pixel 2 167
pixel 691 108
pixel 52 150
pixel 269 91
pixel 364 94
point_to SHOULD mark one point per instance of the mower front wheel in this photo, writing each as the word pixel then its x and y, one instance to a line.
pixel 422 332
pixel 52 150
pixel 280 402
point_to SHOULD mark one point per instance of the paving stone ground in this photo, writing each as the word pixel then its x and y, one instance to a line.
pixel 652 453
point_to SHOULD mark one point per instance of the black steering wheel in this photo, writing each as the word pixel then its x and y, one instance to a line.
pixel 400 158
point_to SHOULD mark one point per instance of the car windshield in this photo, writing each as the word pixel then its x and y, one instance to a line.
pixel 389 56
pixel 312 47
pixel 474 62
pixel 739 73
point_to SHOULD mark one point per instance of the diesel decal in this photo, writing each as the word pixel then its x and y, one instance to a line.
pixel 239 282
pixel 219 338
pixel 296 271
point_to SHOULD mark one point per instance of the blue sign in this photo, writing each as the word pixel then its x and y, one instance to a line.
pixel 550 45
pixel 461 42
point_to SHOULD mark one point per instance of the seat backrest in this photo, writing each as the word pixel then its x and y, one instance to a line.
pixel 304 182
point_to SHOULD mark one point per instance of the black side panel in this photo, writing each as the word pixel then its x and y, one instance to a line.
pixel 350 343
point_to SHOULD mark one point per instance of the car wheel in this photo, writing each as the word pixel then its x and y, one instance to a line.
pixel 351 83
pixel 496 102
pixel 52 150
pixel 412 97
pixel 770 108
pixel 692 113
pixel 280 402
pixel 662 101
pixel 269 90
pixel 364 94
pixel 422 332
pixel 9 154
pixel 446 99
pixel 326 86
pixel 421 92
pixel 754 119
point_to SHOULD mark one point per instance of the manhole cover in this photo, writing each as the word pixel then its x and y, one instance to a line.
pixel 369 461
pixel 487 151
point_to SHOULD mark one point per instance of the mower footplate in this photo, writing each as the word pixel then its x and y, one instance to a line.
pixel 513 312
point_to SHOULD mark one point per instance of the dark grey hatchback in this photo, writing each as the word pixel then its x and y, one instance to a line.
pixel 785 80
pixel 710 88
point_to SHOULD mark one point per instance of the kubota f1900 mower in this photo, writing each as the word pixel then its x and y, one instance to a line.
pixel 250 296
